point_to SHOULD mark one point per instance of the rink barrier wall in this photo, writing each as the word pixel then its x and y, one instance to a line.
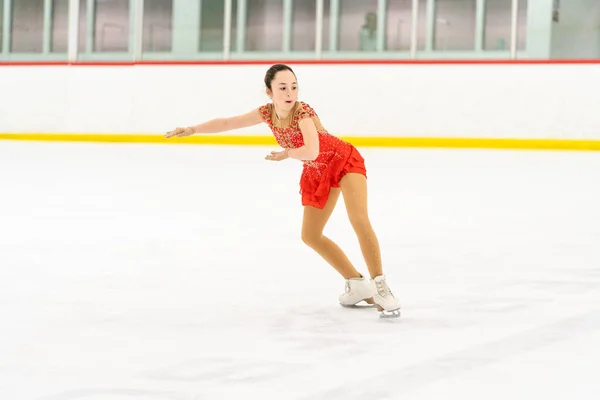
pixel 525 104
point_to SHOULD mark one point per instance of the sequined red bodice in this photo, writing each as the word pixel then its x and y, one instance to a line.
pixel 287 133
pixel 336 157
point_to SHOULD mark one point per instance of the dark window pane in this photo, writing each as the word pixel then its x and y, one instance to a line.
pixel 455 25
pixel 1 22
pixel 357 31
pixel 111 33
pixel 60 26
pixel 522 25
pixel 326 24
pixel 498 21
pixel 304 25
pixel 158 25
pixel 497 25
pixel 212 25
pixel 82 26
pixel 399 25
pixel 264 25
pixel 27 26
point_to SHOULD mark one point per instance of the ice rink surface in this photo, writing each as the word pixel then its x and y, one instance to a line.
pixel 163 272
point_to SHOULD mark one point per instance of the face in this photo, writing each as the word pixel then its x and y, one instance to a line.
pixel 284 90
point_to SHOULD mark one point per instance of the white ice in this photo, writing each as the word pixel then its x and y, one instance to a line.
pixel 162 272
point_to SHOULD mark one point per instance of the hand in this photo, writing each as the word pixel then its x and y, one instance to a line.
pixel 180 132
pixel 277 155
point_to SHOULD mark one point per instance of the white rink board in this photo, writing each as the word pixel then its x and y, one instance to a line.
pixel 397 100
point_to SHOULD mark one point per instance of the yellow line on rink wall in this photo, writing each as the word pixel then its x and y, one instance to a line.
pixel 365 141
pixel 135 138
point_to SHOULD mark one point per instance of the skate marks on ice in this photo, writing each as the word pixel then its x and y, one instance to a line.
pixel 225 371
pixel 394 381
pixel 504 303
pixel 200 378
pixel 122 394
pixel 251 360
pixel 328 332
pixel 284 349
pixel 290 343
pixel 332 318
pixel 501 299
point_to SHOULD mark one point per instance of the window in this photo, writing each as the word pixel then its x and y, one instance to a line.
pixel 326 24
pixel 158 25
pixel 522 25
pixel 455 25
pixel 1 24
pixel 28 30
pixel 358 25
pixel 399 25
pixel 212 25
pixel 498 23
pixel 60 26
pixel 82 30
pixel 264 25
pixel 111 26
pixel 304 25
pixel 27 26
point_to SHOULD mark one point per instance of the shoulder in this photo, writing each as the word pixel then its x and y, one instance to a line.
pixel 265 111
pixel 303 110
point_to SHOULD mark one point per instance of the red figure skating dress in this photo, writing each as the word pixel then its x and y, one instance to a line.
pixel 336 157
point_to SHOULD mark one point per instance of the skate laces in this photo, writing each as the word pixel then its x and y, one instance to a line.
pixel 347 289
pixel 382 288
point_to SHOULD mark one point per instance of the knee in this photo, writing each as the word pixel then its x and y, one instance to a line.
pixel 361 224
pixel 310 238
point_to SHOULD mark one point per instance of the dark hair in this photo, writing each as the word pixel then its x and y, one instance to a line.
pixel 270 75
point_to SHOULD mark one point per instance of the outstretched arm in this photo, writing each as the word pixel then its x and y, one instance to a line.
pixel 219 125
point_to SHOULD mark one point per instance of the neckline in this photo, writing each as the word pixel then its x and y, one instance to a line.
pixel 284 122
pixel 291 112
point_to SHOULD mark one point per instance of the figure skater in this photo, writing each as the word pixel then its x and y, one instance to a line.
pixel 331 166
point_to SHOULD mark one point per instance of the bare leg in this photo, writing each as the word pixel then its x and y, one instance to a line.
pixel 313 224
pixel 354 189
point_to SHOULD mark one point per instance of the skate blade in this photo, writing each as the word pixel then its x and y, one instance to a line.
pixel 388 314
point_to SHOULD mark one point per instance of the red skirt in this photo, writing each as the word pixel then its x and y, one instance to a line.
pixel 316 181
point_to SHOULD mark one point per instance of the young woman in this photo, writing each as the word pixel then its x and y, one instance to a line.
pixel 331 166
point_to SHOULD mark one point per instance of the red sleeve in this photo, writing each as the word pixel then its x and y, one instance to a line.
pixel 304 111
pixel 265 112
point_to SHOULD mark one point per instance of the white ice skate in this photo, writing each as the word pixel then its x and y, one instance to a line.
pixel 357 290
pixel 386 303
